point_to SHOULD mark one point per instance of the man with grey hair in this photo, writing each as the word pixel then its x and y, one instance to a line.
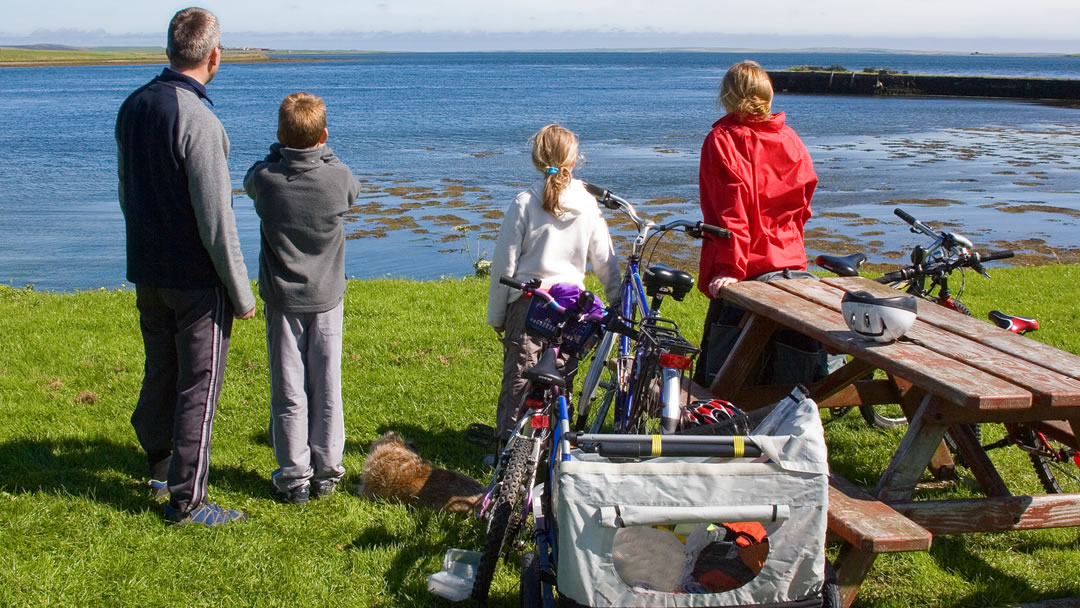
pixel 183 256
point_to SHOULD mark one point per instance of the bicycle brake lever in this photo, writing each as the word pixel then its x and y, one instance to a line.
pixel 979 269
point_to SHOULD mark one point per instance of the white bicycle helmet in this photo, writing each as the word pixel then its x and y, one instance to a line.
pixel 878 319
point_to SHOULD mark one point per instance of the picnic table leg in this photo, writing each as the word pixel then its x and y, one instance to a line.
pixel 743 357
pixel 967 444
pixel 941 465
pixel 840 379
pixel 851 567
pixel 915 452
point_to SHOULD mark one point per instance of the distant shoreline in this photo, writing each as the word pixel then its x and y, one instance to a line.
pixel 17 57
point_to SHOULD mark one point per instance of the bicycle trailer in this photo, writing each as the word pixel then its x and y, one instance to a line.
pixel 743 529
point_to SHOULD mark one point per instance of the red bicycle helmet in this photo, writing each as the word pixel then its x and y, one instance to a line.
pixel 701 413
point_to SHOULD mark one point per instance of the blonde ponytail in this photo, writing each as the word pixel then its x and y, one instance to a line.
pixel 554 152
pixel 746 91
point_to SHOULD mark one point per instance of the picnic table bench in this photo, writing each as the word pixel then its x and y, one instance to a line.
pixel 949 370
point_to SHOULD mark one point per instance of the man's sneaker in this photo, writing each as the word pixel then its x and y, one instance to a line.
pixel 323 487
pixel 159 489
pixel 296 496
pixel 205 514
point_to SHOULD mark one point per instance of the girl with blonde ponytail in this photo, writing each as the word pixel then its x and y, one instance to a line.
pixel 756 179
pixel 551 232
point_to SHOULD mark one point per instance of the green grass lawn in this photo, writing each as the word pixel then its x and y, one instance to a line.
pixel 77 527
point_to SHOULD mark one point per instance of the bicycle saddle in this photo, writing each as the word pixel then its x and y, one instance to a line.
pixel 545 370
pixel 845 266
pixel 1013 323
pixel 660 278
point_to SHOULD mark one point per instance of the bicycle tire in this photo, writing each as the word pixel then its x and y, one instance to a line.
pixel 646 404
pixel 1056 477
pixel 519 514
pixel 830 590
pixel 510 492
pixel 960 307
pixel 592 382
pixel 875 418
pixel 530 595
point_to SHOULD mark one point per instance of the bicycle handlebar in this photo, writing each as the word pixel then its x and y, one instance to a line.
pixel 695 229
pixel 973 260
pixel 532 288
pixel 916 225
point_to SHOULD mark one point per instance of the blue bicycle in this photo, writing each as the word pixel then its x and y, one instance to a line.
pixel 641 376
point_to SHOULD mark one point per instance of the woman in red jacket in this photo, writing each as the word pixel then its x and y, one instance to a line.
pixel 756 179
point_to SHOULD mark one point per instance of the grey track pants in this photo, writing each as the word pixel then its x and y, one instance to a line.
pixel 307 421
pixel 186 337
pixel 520 352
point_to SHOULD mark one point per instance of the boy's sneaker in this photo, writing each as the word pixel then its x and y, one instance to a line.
pixel 296 496
pixel 205 514
pixel 159 489
pixel 323 487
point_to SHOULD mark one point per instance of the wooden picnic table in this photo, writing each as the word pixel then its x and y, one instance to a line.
pixel 949 370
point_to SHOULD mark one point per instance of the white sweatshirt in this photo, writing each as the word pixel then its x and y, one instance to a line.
pixel 534 244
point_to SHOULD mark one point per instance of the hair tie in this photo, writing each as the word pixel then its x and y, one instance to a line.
pixel 552 170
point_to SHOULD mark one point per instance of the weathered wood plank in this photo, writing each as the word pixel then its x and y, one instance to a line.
pixel 861 392
pixel 1048 387
pixel 1025 348
pixel 965 515
pixel 955 381
pixel 869 524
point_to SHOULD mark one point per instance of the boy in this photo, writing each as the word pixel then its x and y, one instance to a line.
pixel 301 193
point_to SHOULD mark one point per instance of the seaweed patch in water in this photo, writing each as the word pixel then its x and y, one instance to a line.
pixel 446 220
pixel 1007 208
pixel 667 200
pixel 922 202
pixel 378 233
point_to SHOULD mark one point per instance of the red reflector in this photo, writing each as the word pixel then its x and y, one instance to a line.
pixel 540 422
pixel 675 361
pixel 534 403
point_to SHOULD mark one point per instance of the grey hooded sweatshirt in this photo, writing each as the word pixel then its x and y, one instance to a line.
pixel 301 196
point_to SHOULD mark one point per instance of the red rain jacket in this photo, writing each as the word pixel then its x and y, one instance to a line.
pixel 756 179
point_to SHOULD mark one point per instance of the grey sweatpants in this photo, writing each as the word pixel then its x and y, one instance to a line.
pixel 520 352
pixel 307 421
pixel 186 337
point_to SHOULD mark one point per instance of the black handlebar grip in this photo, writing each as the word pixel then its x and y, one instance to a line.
pixel 723 233
pixel 596 191
pixel 510 282
pixel 904 215
pixel 996 255
pixel 892 277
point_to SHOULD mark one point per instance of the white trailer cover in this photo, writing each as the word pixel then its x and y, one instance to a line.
pixel 787 492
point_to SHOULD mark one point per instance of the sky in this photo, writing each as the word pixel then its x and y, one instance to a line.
pixel 425 25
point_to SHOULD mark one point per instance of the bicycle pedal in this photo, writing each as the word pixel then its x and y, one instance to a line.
pixel 480 434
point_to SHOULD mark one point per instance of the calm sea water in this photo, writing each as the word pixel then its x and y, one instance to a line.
pixel 441 142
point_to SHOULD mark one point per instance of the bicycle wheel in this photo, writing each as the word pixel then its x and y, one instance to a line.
pixel 592 384
pixel 530 594
pixel 883 417
pixel 519 515
pixel 1054 462
pixel 509 496
pixel 647 404
pixel 960 307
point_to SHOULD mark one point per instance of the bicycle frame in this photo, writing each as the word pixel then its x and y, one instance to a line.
pixel 634 305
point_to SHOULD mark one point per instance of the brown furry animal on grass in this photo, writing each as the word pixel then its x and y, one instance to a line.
pixel 395 472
